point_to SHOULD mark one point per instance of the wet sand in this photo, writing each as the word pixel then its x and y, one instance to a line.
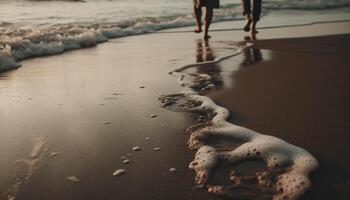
pixel 69 98
pixel 297 90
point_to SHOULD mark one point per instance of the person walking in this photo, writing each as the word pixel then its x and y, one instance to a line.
pixel 251 19
pixel 209 5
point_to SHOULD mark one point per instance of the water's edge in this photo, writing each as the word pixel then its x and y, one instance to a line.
pixel 219 143
pixel 39 44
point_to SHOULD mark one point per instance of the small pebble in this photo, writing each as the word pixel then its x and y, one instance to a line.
pixel 53 154
pixel 72 178
pixel 128 155
pixel 126 161
pixel 142 86
pixel 136 148
pixel 148 138
pixel 122 157
pixel 172 169
pixel 107 122
pixel 153 116
pixel 156 149
pixel 109 98
pixel 119 172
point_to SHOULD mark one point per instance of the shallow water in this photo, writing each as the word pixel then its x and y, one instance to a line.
pixel 38 28
pixel 60 97
pixel 28 13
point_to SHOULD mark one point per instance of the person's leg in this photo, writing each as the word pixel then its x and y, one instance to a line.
pixel 208 18
pixel 197 10
pixel 247 13
pixel 256 14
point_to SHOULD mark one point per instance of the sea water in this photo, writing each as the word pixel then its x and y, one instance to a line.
pixel 32 28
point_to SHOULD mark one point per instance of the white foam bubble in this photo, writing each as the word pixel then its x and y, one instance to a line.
pixel 7 62
pixel 276 153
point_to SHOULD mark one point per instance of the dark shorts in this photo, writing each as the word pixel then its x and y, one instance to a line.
pixel 207 3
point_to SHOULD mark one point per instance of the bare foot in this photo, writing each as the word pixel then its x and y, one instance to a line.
pixel 247 26
pixel 197 30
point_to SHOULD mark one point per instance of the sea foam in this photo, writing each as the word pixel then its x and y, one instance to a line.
pixel 220 143
pixel 48 32
pixel 42 40
pixel 6 60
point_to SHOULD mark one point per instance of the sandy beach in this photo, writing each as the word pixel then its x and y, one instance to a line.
pixel 76 114
pixel 296 89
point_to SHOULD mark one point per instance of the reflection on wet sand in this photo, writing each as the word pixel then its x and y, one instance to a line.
pixel 204 53
pixel 251 55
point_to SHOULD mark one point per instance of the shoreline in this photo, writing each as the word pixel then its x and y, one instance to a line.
pixel 296 89
pixel 69 90
pixel 12 60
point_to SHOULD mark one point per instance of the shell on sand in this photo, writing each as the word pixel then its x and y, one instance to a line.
pixel 172 169
pixel 72 178
pixel 126 161
pixel 119 172
pixel 136 148
pixel 153 116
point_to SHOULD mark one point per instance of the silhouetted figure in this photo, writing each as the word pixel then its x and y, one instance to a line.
pixel 197 9
pixel 251 19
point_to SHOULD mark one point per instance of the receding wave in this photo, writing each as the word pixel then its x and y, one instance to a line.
pixel 276 4
pixel 17 44
pixel 220 146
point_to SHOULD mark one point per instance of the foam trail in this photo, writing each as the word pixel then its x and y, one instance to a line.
pixel 37 41
pixel 25 168
pixel 219 142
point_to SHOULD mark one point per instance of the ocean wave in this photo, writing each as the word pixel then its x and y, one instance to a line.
pixel 36 40
pixel 56 39
pixel 273 4
pixel 7 62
